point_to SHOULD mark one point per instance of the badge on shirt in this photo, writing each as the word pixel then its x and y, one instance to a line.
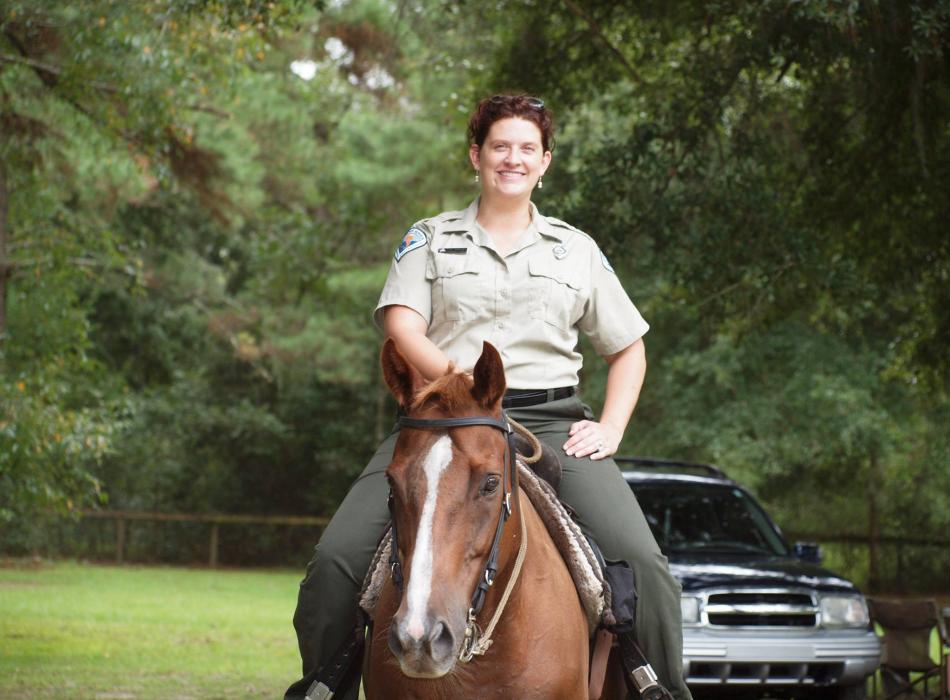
pixel 413 239
pixel 560 252
pixel 603 259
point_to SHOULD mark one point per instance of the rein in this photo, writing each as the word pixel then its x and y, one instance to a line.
pixel 475 643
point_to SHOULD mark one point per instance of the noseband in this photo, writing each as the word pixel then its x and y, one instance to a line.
pixel 510 480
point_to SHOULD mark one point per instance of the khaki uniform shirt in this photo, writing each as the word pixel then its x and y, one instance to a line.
pixel 529 303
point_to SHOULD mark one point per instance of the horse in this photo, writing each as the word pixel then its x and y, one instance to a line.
pixel 453 496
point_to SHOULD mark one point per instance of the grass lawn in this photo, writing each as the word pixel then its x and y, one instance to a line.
pixel 70 630
pixel 80 631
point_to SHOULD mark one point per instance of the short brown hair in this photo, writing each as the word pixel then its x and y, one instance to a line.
pixel 491 109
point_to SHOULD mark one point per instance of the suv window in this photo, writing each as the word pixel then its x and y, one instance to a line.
pixel 707 518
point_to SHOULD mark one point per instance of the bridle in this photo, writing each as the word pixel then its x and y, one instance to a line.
pixel 475 643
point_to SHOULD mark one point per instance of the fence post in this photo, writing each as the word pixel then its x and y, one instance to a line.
pixel 900 566
pixel 119 539
pixel 213 554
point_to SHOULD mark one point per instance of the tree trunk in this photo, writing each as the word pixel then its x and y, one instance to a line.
pixel 874 526
pixel 4 262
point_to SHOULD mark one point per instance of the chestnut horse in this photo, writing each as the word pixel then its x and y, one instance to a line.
pixel 449 486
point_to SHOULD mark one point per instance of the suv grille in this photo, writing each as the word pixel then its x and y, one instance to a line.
pixel 761 609
pixel 730 674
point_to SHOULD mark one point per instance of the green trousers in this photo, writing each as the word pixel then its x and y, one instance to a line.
pixel 606 509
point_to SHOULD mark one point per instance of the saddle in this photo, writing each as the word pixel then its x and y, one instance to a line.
pixel 546 466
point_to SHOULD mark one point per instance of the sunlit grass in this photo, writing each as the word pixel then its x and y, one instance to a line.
pixel 69 630
pixel 78 631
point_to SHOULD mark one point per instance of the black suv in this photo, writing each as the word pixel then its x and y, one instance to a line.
pixel 758 614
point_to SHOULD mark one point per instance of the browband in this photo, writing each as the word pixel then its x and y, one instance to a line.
pixel 436 423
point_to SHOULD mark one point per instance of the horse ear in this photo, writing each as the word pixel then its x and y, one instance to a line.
pixel 489 375
pixel 402 378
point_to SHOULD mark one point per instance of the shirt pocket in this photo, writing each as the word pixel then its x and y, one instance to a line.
pixel 556 291
pixel 456 287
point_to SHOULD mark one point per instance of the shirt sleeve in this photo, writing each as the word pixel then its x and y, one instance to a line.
pixel 610 319
pixel 406 283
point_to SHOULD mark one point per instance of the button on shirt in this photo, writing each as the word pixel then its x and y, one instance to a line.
pixel 530 303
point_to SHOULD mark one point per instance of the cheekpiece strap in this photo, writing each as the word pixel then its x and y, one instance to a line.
pixel 394 566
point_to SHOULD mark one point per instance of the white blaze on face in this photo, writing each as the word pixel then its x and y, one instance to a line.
pixel 420 579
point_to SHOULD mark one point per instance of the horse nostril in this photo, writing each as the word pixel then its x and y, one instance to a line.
pixel 396 645
pixel 441 641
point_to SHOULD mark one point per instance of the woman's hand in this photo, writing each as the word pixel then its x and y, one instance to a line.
pixel 599 440
pixel 592 439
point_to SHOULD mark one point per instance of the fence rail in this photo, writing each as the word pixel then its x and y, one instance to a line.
pixel 122 517
pixel 849 538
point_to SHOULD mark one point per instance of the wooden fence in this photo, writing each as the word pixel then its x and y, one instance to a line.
pixel 123 517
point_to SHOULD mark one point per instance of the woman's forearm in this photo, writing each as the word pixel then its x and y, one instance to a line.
pixel 600 439
pixel 624 381
pixel 408 329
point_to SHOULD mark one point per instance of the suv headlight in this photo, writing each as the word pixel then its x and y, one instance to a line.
pixel 844 611
pixel 689 606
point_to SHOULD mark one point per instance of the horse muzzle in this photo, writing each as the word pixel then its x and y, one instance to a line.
pixel 426 650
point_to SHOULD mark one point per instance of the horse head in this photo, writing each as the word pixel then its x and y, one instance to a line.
pixel 447 495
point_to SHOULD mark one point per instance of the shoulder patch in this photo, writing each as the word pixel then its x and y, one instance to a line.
pixel 414 238
pixel 603 259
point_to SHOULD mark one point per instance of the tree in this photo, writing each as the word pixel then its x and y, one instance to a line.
pixel 767 179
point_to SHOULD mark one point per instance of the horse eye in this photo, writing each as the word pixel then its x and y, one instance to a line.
pixel 490 485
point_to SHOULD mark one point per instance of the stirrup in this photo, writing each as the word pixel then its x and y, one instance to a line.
pixel 318 691
pixel 638 673
pixel 646 682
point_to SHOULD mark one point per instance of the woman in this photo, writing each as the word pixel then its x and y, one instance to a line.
pixel 500 271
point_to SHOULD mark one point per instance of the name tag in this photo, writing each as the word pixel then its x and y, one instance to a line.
pixel 454 251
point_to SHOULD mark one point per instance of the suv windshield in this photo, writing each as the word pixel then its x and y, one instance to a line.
pixel 705 518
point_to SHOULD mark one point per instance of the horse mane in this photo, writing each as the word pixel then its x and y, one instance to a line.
pixel 452 391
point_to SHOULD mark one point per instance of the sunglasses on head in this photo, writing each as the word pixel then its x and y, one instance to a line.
pixel 533 102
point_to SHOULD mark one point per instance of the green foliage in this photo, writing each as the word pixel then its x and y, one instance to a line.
pixel 196 236
pixel 770 182
pixel 198 233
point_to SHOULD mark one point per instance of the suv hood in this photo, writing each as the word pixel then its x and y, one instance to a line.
pixel 698 572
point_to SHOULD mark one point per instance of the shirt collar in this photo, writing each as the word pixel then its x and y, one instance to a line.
pixel 467 223
pixel 544 226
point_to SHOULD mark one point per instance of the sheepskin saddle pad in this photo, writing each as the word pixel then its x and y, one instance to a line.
pixel 576 551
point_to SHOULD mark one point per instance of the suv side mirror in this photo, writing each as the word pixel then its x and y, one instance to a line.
pixel 808 551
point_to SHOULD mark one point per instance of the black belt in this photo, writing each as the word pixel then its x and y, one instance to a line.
pixel 519 398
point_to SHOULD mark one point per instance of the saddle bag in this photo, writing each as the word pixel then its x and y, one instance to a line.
pixel 623 596
pixel 620 613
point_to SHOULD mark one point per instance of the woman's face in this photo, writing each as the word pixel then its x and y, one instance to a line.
pixel 511 160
